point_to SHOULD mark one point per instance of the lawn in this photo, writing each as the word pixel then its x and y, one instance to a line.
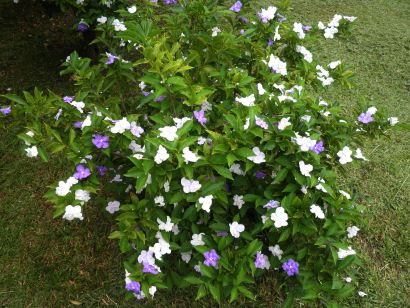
pixel 53 263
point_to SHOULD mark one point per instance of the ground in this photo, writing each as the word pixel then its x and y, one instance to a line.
pixel 52 263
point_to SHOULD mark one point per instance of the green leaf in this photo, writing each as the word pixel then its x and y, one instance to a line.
pixel 201 292
pixel 42 154
pixel 223 172
pixel 215 292
pixel 253 247
pixel 246 292
pixel 193 280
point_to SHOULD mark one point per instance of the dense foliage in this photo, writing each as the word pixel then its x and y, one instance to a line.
pixel 199 129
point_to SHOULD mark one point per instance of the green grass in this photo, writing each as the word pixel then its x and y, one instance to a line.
pixel 48 263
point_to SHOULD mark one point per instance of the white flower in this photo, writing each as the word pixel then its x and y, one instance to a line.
pixel 238 201
pixel 305 143
pixel 303 189
pixel 345 155
pixel 152 290
pixel 73 212
pixel 186 256
pixel 264 218
pixel 306 118
pixel 371 110
pixel 166 186
pixel 277 36
pixel 202 140
pixel 32 152
pixel 120 126
pixel 112 207
pixel 180 122
pixel 78 105
pixel 343 253
pixel 307 55
pixel 335 20
pixel 314 209
pixel 161 248
pixel 189 156
pixel 362 294
pixel 247 123
pixel 350 18
pixel 347 195
pixel 276 251
pixel 136 148
pixel 323 76
pixel 261 90
pixel 206 106
pixel 347 279
pixel 321 25
pixel 132 9
pixel 283 123
pixel 190 186
pixel 352 231
pixel 136 130
pixel 169 132
pixel 247 101
pixel 280 218
pixel 162 155
pixel 393 121
pixel 259 156
pixel 305 169
pixel 267 14
pixel 206 203
pixel 359 155
pixel 82 195
pixel 118 25
pixel 146 257
pixel 277 65
pixel 102 20
pixel 175 229
pixel 166 226
pixel 30 133
pixel 159 200
pixel 197 239
pixel 236 229
pixel 320 186
pixel 236 168
pixel 63 188
pixel 298 28
pixel 86 122
pixel 334 64
pixel 116 179
pixel 215 31
pixel 330 32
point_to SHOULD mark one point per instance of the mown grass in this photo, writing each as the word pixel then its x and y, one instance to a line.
pixel 52 263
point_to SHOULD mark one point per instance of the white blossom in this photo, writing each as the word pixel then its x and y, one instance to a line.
pixel 276 251
pixel 247 101
pixel 267 14
pixel 186 256
pixel 197 239
pixel 277 36
pixel 102 20
pixel 343 253
pixel 82 195
pixel 259 156
pixel 113 206
pixel 118 25
pixel 277 65
pixel 73 212
pixel 347 195
pixel 247 123
pixel 362 294
pixel 120 126
pixel 359 155
pixel 206 203
pixel 189 156
pixel 236 229
pixel 162 155
pixel 190 186
pixel 132 9
pixel 305 169
pixel 159 200
pixel 238 201
pixel 166 226
pixel 180 122
pixel 307 55
pixel 86 122
pixel 261 90
pixel 314 209
pixel 280 218
pixel 283 123
pixel 352 231
pixel 334 64
pixel 236 168
pixel 168 132
pixel 215 31
pixel 32 152
pixel 298 28
pixel 345 155
pixel 393 120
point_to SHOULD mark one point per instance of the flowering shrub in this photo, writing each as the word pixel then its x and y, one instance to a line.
pixel 199 130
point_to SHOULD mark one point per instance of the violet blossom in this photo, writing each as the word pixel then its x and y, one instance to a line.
pixel 200 117
pixel 211 258
pixel 81 172
pixel 101 141
pixel 291 267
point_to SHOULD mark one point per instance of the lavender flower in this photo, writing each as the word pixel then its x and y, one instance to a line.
pixel 133 286
pixel 5 110
pixel 148 268
pixel 82 26
pixel 260 174
pixel 307 28
pixel 222 233
pixel 101 141
pixel 68 99
pixel 291 267
pixel 211 258
pixel 365 118
pixel 261 123
pixel 261 261
pixel 244 19
pixel 102 170
pixel 242 31
pixel 272 204
pixel 160 98
pixel 200 117
pixel 111 58
pixel 318 147
pixel 78 124
pixel 81 172
pixel 236 7
pixel 281 18
pixel 270 42
pixel 168 2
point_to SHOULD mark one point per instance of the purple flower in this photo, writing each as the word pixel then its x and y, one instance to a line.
pixel 365 118
pixel 82 26
pixel 270 42
pixel 242 31
pixel 68 99
pixel 78 124
pixel 102 170
pixel 261 123
pixel 81 172
pixel 211 258
pixel 318 147
pixel 111 58
pixel 307 28
pixel 146 93
pixel 160 98
pixel 222 233
pixel 168 2
pixel 5 110
pixel 101 141
pixel 244 19
pixel 281 18
pixel 236 7
pixel 148 268
pixel 272 204
pixel 260 260
pixel 291 267
pixel 200 117
pixel 133 286
pixel 260 174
